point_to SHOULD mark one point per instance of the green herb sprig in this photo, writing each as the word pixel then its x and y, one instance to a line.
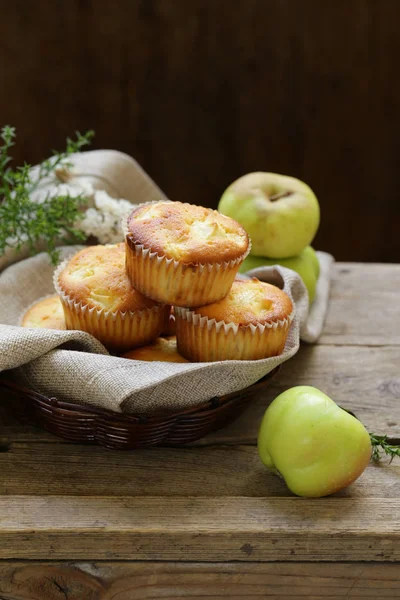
pixel 381 443
pixel 37 224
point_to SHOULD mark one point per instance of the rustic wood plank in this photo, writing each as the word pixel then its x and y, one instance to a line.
pixel 199 529
pixel 210 581
pixel 365 380
pixel 56 469
pixel 364 307
pixel 42 581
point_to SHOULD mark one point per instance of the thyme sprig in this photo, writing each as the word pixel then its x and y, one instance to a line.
pixel 37 224
pixel 381 443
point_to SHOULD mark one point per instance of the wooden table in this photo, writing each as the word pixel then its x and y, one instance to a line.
pixel 208 521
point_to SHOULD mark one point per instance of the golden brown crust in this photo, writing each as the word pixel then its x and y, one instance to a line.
pixel 187 233
pixel 47 313
pixel 250 302
pixel 162 349
pixel 96 277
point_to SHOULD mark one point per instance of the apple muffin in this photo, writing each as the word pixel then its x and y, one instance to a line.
pixel 182 254
pixel 250 323
pixel 46 313
pixel 98 297
pixel 163 349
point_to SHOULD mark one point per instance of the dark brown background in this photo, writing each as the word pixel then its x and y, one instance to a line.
pixel 203 91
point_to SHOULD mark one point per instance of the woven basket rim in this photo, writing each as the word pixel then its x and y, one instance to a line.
pixel 155 418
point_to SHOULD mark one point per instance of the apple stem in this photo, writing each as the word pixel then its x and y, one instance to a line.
pixel 390 447
pixel 276 197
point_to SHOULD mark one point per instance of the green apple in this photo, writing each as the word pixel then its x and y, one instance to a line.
pixel 306 264
pixel 310 253
pixel 280 214
pixel 316 446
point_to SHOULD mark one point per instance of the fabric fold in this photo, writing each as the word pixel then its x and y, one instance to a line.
pixel 74 366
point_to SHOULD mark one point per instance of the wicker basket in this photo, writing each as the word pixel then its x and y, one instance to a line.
pixel 85 424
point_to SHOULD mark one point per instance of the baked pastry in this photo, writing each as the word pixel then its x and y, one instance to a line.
pixel 46 312
pixel 182 254
pixel 97 297
pixel 250 323
pixel 163 349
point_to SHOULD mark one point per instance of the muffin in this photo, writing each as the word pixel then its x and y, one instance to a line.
pixel 98 297
pixel 47 313
pixel 163 350
pixel 182 254
pixel 250 323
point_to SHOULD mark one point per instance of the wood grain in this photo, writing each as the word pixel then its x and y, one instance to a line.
pixel 363 306
pixel 201 94
pixel 201 529
pixel 48 582
pixel 213 472
pixel 150 581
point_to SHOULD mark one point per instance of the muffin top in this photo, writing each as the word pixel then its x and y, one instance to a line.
pixel 163 350
pixel 188 233
pixel 96 277
pixel 250 302
pixel 47 313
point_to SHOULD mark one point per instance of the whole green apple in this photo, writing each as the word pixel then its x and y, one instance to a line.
pixel 315 445
pixel 280 214
pixel 306 264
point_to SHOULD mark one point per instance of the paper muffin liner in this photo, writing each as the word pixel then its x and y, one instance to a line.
pixel 201 339
pixel 170 281
pixel 31 305
pixel 116 330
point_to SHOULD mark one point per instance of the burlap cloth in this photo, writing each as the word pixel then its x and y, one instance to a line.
pixel 73 366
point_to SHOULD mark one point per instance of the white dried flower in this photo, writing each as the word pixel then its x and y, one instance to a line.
pixel 103 220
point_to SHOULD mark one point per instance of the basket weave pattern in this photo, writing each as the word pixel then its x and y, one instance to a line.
pixel 86 424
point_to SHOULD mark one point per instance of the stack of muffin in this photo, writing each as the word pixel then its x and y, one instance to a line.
pixel 177 269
